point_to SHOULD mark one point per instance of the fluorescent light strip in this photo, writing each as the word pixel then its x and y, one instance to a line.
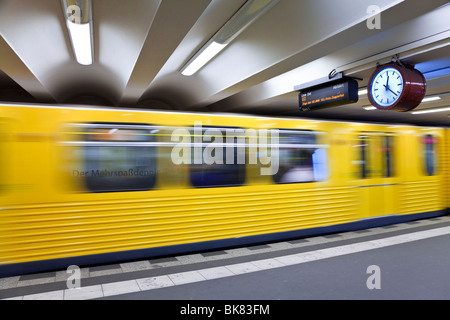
pixel 362 92
pixel 432 110
pixel 429 99
pixel 80 35
pixel 245 16
pixel 206 55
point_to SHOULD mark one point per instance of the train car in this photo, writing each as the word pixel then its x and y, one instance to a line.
pixel 86 186
pixel 446 167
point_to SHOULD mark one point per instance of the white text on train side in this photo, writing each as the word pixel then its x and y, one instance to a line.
pixel 206 146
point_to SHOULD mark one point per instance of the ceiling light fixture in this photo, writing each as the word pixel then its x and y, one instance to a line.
pixel 78 16
pixel 245 16
pixel 206 54
pixel 362 92
pixel 431 110
pixel 429 99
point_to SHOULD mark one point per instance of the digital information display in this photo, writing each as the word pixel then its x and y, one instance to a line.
pixel 330 95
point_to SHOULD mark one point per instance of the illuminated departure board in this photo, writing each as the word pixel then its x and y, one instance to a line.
pixel 328 95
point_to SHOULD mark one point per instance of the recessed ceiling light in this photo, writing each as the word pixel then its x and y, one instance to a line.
pixel 80 35
pixel 244 17
pixel 202 58
pixel 78 16
pixel 432 110
pixel 429 99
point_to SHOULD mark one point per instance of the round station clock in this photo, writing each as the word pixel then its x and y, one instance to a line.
pixel 396 87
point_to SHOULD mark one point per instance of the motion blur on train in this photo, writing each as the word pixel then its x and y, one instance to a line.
pixel 87 185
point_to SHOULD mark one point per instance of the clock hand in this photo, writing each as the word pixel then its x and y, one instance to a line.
pixel 387 82
pixel 391 91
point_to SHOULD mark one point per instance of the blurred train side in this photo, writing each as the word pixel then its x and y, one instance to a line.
pixel 48 220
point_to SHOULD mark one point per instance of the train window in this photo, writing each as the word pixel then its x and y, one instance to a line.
pixel 301 158
pixel 2 161
pixel 115 157
pixel 376 156
pixel 363 156
pixel 388 156
pixel 213 165
pixel 429 149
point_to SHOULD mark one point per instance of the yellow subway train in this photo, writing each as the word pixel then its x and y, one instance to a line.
pixel 83 186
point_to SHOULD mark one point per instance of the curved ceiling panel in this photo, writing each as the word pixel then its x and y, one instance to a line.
pixel 140 47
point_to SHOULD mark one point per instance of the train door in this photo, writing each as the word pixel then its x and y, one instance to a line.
pixel 377 180
pixel 446 158
pixel 4 162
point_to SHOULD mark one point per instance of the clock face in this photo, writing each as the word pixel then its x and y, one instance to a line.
pixel 387 87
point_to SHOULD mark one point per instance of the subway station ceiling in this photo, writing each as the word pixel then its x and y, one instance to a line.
pixel 140 47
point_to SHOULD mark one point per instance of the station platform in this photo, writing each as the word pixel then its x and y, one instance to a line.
pixel 407 261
